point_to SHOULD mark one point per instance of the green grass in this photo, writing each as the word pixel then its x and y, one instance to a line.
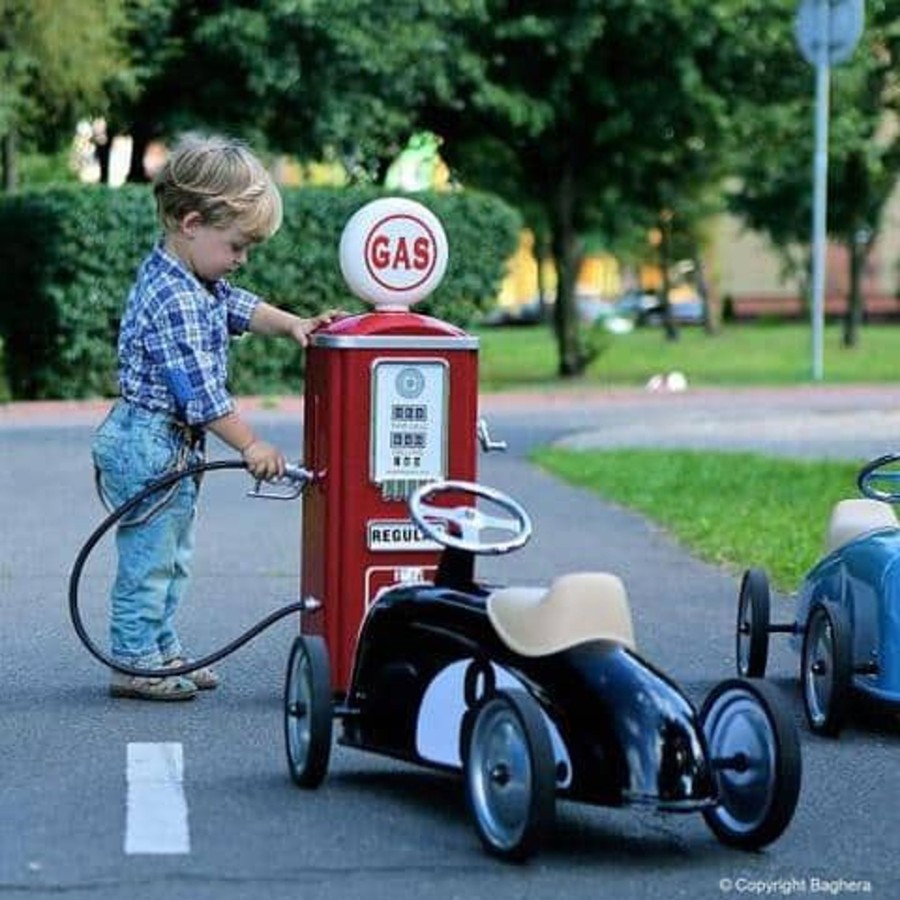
pixel 742 354
pixel 732 509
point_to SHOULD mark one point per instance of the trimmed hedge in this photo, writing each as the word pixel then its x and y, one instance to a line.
pixel 68 257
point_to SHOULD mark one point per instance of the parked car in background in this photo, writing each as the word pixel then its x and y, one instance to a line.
pixel 645 308
pixel 631 309
pixel 530 313
pixel 594 309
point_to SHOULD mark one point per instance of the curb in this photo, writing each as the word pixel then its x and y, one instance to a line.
pixel 801 398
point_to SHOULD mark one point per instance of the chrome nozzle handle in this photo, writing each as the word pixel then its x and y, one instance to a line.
pixel 288 487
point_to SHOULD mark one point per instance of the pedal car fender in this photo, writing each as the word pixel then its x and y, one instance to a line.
pixel 439 722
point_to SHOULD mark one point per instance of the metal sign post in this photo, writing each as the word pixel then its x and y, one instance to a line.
pixel 827 33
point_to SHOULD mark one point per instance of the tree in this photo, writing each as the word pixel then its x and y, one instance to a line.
pixel 773 189
pixel 55 59
pixel 343 78
pixel 594 115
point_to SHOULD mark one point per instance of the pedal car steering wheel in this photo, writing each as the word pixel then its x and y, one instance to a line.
pixel 462 527
pixel 880 479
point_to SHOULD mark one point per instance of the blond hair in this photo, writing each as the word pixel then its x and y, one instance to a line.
pixel 223 181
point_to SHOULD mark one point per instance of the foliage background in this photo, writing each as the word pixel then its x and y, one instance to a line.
pixel 69 256
pixel 610 124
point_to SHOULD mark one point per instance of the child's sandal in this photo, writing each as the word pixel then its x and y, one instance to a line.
pixel 137 687
pixel 204 679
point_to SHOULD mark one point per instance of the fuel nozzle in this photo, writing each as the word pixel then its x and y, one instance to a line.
pixel 288 486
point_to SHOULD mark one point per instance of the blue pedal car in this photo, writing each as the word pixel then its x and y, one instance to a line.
pixel 534 694
pixel 846 623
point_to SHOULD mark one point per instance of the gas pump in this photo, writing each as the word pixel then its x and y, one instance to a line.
pixel 391 402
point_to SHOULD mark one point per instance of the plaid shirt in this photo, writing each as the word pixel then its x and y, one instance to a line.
pixel 173 341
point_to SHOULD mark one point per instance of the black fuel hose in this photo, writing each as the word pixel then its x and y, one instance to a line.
pixel 123 510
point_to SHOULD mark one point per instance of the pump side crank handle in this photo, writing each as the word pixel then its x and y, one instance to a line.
pixel 288 487
pixel 488 444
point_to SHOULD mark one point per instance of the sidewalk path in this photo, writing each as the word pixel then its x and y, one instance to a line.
pixel 843 422
pixel 816 404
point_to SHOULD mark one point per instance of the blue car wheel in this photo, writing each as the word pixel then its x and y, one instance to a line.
pixel 826 668
pixel 752 633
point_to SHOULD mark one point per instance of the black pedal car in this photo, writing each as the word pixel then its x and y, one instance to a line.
pixel 536 694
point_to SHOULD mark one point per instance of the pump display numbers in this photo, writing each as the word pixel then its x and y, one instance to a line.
pixel 407 412
pixel 409 420
pixel 404 441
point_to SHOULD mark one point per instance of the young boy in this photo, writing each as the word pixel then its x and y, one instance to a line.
pixel 215 200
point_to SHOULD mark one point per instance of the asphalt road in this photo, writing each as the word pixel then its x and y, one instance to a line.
pixel 376 829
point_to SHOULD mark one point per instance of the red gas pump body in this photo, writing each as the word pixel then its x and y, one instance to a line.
pixel 391 402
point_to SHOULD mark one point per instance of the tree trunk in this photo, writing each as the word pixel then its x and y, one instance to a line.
pixel 567 255
pixel 103 152
pixel 541 252
pixel 710 319
pixel 853 316
pixel 8 162
pixel 804 283
pixel 572 360
pixel 665 262
pixel 141 135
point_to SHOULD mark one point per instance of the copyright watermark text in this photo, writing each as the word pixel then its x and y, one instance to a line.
pixel 789 886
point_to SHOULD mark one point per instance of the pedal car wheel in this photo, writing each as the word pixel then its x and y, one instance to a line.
pixel 510 775
pixel 752 633
pixel 307 711
pixel 754 751
pixel 826 668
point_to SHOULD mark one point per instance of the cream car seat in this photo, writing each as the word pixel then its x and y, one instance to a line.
pixel 578 607
pixel 853 518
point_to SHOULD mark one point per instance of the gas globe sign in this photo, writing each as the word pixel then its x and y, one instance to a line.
pixel 393 253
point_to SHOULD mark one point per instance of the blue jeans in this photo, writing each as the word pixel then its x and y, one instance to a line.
pixel 132 448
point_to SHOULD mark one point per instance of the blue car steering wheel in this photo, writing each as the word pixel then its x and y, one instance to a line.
pixel 880 478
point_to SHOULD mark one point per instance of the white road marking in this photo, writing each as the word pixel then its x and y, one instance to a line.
pixel 156 808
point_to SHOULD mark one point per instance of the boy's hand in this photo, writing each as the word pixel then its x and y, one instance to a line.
pixel 303 328
pixel 263 460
